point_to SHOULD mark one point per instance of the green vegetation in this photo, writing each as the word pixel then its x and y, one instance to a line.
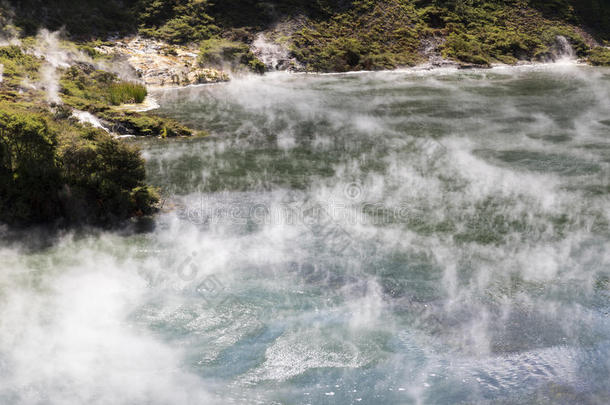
pixel 141 124
pixel 390 33
pixel 600 56
pixel 340 35
pixel 371 35
pixel 219 52
pixel 18 66
pixel 85 88
pixel 490 32
pixel 29 171
pixel 175 21
pixel 53 169
pixel 126 92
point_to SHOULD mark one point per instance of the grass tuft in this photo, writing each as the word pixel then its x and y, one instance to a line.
pixel 127 92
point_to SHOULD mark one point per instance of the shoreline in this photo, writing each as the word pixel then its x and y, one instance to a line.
pixel 423 69
pixel 158 69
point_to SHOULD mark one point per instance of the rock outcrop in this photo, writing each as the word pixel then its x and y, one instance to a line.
pixel 159 64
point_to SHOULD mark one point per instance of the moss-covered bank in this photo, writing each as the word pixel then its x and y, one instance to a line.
pixel 57 170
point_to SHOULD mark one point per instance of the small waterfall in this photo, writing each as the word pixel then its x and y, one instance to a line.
pixel 563 50
pixel 1 71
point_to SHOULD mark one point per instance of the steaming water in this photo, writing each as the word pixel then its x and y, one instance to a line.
pixel 387 238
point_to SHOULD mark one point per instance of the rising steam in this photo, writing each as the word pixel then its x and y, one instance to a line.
pixel 56 55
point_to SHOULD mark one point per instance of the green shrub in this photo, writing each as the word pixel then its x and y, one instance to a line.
pixel 600 56
pixel 466 49
pixel 219 52
pixel 89 50
pixel 142 124
pixel 29 171
pixel 104 177
pixel 370 35
pixel 18 65
pixel 53 170
pixel 177 22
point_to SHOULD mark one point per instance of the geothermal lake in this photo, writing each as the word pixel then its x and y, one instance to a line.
pixel 376 238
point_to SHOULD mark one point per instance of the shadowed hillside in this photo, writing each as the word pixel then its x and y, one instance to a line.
pixel 341 35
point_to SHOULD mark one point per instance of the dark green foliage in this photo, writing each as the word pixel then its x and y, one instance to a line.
pixel 370 35
pixel 220 52
pixel 595 15
pixel 177 21
pixel 82 18
pixel 557 9
pixel 142 124
pixel 600 56
pixel 261 14
pixel 341 35
pixel 104 181
pixel 29 171
pixel 52 170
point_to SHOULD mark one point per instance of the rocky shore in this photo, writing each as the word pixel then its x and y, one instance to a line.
pixel 159 64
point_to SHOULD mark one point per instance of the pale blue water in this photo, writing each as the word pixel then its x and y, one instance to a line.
pixel 377 238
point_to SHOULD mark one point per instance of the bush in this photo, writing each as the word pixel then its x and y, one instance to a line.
pixel 600 56
pixel 18 65
pixel 466 49
pixel 176 22
pixel 104 178
pixel 219 52
pixel 370 35
pixel 54 170
pixel 141 124
pixel 29 171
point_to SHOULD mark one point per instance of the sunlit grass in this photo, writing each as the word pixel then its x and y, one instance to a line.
pixel 127 92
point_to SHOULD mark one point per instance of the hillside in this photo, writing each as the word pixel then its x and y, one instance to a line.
pixel 326 35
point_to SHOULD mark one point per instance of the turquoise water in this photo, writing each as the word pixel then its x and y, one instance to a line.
pixel 378 238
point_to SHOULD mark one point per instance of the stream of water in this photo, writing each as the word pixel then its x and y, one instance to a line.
pixel 377 238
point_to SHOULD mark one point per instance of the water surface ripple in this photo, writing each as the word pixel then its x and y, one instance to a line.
pixel 377 238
